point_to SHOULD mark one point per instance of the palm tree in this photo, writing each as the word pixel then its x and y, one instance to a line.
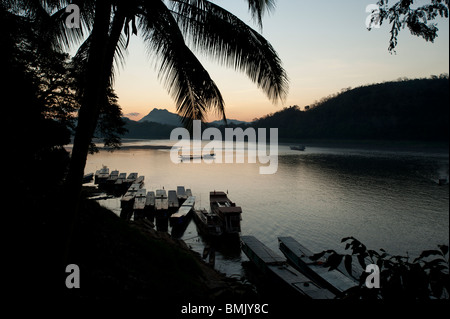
pixel 170 28
pixel 167 27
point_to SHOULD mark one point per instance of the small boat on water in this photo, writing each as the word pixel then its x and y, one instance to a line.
pixel 193 157
pixel 208 224
pixel 277 267
pixel 298 147
pixel 298 256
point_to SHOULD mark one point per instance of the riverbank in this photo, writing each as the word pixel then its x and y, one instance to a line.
pixel 131 261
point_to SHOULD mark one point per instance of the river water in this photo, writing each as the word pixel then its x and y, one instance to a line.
pixel 386 198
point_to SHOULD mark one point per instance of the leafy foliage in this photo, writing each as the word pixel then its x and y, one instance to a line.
pixel 425 277
pixel 417 20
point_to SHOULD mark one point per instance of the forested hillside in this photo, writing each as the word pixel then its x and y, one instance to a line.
pixel 402 110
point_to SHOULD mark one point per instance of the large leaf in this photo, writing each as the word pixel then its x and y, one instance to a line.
pixel 182 73
pixel 218 33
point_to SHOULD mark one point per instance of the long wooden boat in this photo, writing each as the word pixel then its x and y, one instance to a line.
pixel 173 201
pixel 228 212
pixel 127 201
pixel 139 204
pixel 113 177
pixel 182 214
pixel 181 194
pixel 298 255
pixel 208 224
pixel 276 266
pixel 101 175
pixel 132 177
pixel 161 202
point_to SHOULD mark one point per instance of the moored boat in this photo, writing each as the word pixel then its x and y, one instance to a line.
pixel 298 147
pixel 161 202
pixel 101 175
pixel 113 177
pixel 208 224
pixel 229 214
pixel 298 255
pixel 183 212
pixel 132 177
pixel 277 267
pixel 139 204
pixel 181 194
pixel 173 201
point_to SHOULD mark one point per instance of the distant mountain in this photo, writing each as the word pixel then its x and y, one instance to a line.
pixel 402 110
pixel 146 130
pixel 162 116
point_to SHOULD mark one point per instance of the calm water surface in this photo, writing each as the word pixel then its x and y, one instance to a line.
pixel 386 199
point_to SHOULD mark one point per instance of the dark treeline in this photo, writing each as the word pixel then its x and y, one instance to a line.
pixel 406 109
pixel 147 130
pixel 403 110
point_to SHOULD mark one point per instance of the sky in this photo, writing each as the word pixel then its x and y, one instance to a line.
pixel 324 47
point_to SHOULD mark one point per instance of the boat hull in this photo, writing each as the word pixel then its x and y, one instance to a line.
pixel 277 267
pixel 298 256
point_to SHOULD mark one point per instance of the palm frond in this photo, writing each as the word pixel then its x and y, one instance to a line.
pixel 49 21
pixel 217 32
pixel 185 78
pixel 259 7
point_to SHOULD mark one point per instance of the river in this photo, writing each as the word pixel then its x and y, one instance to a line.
pixel 386 198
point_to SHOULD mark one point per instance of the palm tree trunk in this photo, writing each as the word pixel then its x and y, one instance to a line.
pixel 88 114
pixel 92 97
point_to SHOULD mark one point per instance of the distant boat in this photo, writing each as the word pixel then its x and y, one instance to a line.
pixel 193 156
pixel 443 181
pixel 298 255
pixel 298 147
pixel 277 267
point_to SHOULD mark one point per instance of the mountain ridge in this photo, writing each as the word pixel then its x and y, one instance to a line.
pixel 416 109
pixel 164 116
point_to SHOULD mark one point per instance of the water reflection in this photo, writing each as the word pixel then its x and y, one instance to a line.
pixel 386 199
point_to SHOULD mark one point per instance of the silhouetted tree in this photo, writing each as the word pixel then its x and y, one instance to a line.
pixel 401 277
pixel 418 20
